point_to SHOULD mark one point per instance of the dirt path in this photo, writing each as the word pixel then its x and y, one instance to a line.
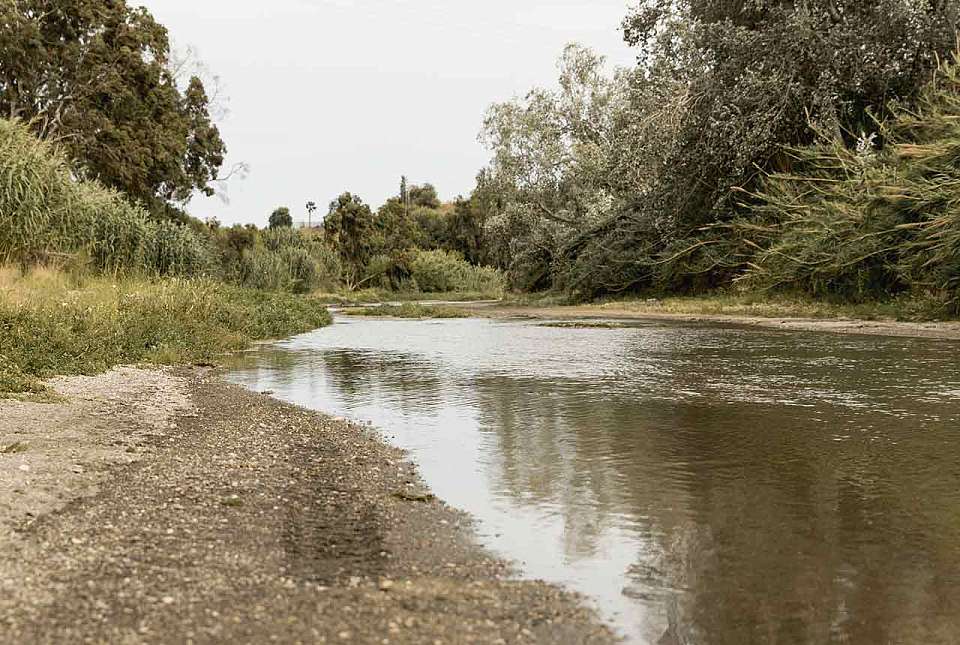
pixel 150 507
pixel 937 330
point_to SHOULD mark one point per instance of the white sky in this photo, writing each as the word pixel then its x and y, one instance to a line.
pixel 334 95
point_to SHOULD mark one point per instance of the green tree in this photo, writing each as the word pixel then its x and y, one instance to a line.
pixel 464 230
pixel 349 225
pixel 404 194
pixel 281 218
pixel 424 196
pixel 397 230
pixel 551 167
pixel 615 183
pixel 95 76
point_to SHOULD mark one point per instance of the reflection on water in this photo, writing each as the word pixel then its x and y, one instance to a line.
pixel 702 484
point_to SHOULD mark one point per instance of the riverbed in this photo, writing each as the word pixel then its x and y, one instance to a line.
pixel 699 483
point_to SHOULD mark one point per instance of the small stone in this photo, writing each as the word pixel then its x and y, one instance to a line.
pixel 386 585
pixel 24 468
pixel 167 600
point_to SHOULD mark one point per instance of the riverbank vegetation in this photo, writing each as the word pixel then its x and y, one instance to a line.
pixel 758 152
pixel 53 322
pixel 409 310
pixel 781 148
pixel 748 304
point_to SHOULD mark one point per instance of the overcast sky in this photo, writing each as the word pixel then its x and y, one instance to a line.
pixel 334 95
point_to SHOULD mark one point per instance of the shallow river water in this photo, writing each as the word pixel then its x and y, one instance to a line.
pixel 701 484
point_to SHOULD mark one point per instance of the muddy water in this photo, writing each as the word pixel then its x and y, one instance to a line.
pixel 700 484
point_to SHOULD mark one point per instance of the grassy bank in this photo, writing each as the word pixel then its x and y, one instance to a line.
pixel 53 323
pixel 753 305
pixel 375 296
pixel 409 310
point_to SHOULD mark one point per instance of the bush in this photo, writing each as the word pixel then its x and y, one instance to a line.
pixel 288 260
pixel 440 271
pixel 866 223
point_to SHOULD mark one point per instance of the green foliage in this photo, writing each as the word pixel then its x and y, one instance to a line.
pixel 409 310
pixel 349 226
pixel 281 218
pixel 97 77
pixel 606 183
pixel 288 260
pixel 439 271
pixel 46 214
pixel 864 222
pixel 50 327
pixel 424 196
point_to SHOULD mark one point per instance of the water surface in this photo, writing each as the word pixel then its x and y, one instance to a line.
pixel 702 484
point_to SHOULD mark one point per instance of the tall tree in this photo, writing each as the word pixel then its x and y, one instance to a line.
pixel 95 76
pixel 349 226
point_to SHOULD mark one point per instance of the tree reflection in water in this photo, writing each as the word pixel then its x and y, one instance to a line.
pixel 761 487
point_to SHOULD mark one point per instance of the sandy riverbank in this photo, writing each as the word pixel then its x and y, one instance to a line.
pixel 171 507
pixel 937 330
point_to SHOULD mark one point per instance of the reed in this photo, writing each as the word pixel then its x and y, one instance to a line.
pixel 867 222
pixel 46 213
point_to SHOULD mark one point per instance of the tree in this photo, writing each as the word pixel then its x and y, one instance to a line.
pixel 610 183
pixel 95 76
pixel 281 218
pixel 551 166
pixel 349 226
pixel 397 230
pixel 404 194
pixel 311 209
pixel 424 196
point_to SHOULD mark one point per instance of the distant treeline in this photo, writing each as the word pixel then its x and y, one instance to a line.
pixel 107 133
pixel 48 215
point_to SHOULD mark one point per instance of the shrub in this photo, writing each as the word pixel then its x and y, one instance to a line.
pixel 439 271
pixel 865 223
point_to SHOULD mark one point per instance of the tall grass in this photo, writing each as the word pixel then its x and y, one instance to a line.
pixel 289 260
pixel 868 223
pixel 51 323
pixel 45 213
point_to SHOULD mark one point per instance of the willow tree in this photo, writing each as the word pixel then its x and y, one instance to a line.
pixel 551 161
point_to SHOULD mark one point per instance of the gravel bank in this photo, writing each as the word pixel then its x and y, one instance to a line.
pixel 160 507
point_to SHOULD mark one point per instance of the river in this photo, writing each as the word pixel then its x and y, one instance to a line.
pixel 700 484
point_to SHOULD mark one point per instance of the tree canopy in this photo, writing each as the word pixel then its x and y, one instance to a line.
pixel 94 75
pixel 281 218
pixel 609 181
